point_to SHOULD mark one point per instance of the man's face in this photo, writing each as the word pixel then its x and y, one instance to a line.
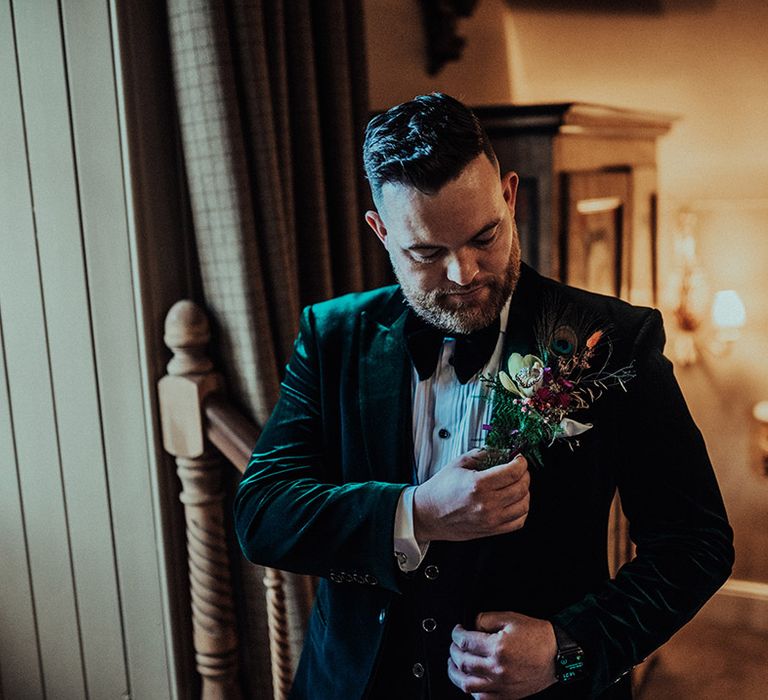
pixel 456 252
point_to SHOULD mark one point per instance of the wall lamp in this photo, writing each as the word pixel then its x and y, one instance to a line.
pixel 760 412
pixel 691 300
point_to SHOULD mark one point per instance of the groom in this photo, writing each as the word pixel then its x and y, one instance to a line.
pixel 437 578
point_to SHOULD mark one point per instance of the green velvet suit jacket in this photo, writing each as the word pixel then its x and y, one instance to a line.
pixel 321 490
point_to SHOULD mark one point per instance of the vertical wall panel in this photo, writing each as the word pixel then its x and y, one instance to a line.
pixel 82 601
pixel 36 440
pixel 96 134
pixel 19 658
pixel 65 295
pixel 20 673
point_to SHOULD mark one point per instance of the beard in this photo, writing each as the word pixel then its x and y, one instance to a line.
pixel 441 309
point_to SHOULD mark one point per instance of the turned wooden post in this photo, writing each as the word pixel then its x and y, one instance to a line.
pixel 182 392
pixel 279 647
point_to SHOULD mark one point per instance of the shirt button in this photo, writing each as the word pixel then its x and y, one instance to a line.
pixel 382 616
pixel 431 572
pixel 418 670
pixel 443 433
pixel 429 624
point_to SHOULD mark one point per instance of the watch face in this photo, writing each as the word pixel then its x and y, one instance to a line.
pixel 569 665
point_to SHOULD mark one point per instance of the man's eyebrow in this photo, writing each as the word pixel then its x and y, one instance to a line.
pixel 426 246
pixel 486 228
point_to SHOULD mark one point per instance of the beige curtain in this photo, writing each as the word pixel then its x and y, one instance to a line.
pixel 272 103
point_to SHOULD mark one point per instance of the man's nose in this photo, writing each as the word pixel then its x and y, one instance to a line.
pixel 462 268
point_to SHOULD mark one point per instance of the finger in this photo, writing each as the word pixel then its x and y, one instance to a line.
pixel 465 682
pixel 495 621
pixel 515 492
pixel 503 475
pixel 511 525
pixel 515 508
pixel 470 664
pixel 477 643
pixel 470 459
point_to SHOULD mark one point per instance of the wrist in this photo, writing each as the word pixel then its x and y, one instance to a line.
pixel 422 529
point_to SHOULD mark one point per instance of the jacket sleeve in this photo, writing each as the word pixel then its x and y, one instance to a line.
pixel 289 511
pixel 677 520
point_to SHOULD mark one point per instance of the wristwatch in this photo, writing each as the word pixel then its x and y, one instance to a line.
pixel 569 662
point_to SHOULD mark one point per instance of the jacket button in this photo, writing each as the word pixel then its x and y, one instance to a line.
pixel 429 624
pixel 443 433
pixel 431 572
pixel 417 670
pixel 382 616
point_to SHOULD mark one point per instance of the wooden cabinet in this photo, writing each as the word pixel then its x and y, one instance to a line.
pixel 586 208
pixel 586 214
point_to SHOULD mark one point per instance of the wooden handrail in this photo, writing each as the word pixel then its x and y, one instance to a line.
pixel 229 430
pixel 196 417
pixel 234 436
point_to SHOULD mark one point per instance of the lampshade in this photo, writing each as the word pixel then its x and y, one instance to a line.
pixel 728 310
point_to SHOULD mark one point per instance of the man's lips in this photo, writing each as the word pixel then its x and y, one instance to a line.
pixel 470 294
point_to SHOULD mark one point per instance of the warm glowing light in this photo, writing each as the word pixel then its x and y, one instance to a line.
pixel 728 310
pixel 760 411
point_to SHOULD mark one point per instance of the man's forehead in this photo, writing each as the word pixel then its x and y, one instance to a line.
pixel 418 216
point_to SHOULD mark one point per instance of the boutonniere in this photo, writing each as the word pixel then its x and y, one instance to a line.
pixel 536 396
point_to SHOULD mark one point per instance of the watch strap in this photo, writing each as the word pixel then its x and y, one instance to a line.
pixel 564 641
pixel 569 662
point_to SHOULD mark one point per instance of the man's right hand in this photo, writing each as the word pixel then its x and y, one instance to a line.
pixel 461 503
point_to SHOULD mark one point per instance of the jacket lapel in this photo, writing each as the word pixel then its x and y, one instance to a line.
pixel 385 394
pixel 523 311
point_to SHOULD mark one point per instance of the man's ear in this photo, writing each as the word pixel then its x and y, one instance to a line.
pixel 509 182
pixel 373 219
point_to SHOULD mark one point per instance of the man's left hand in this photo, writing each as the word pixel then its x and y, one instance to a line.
pixel 510 656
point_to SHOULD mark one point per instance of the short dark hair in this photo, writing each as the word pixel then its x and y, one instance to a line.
pixel 424 143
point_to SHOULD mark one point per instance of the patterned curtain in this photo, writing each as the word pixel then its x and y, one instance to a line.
pixel 272 103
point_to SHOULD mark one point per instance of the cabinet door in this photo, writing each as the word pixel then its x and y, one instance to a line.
pixel 595 244
pixel 596 251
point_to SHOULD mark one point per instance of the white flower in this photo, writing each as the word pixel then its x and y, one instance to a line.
pixel 571 427
pixel 526 374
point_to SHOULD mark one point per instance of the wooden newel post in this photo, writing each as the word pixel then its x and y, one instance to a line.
pixel 182 392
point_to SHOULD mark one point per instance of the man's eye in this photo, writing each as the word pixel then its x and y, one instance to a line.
pixel 424 256
pixel 485 241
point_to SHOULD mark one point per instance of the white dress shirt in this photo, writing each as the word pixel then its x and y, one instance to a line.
pixel 448 418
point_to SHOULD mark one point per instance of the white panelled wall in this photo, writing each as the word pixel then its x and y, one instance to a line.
pixel 83 613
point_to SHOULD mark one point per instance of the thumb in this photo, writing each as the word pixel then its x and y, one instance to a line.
pixel 493 621
pixel 470 459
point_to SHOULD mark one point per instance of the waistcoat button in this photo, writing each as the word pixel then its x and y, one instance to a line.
pixel 431 572
pixel 418 670
pixel 429 624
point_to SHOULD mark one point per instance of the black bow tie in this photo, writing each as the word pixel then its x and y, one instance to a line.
pixel 473 351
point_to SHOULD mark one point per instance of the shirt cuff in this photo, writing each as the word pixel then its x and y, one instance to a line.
pixel 408 551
